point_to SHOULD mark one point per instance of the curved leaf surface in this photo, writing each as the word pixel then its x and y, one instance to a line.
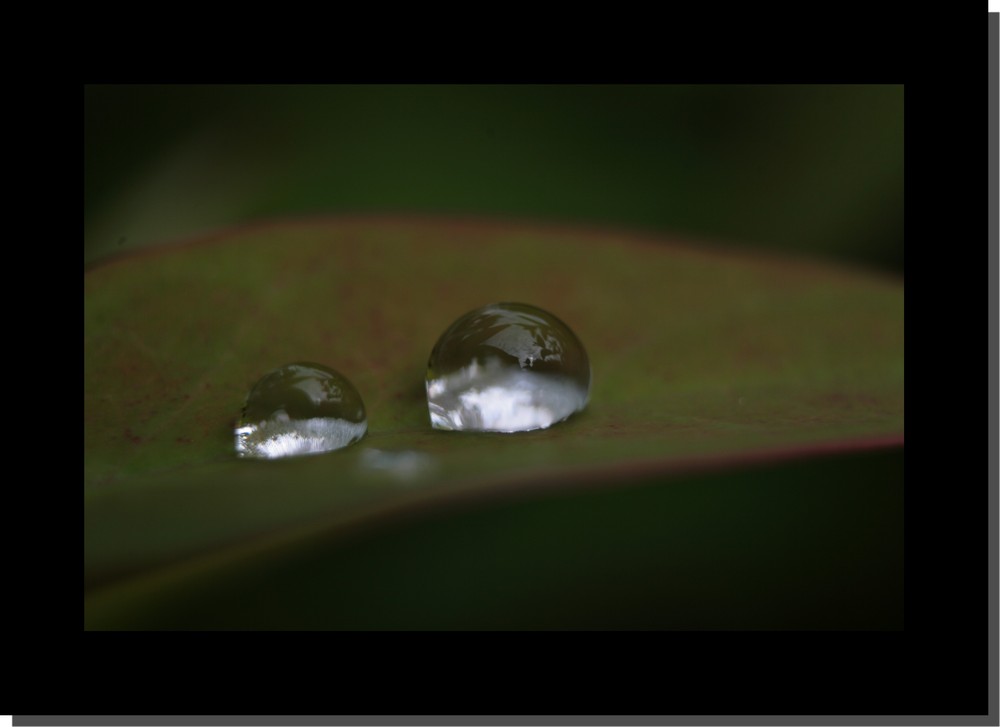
pixel 700 359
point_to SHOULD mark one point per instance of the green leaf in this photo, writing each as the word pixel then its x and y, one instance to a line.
pixel 702 358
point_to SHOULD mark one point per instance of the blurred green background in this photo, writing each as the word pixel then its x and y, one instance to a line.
pixel 815 170
pixel 812 544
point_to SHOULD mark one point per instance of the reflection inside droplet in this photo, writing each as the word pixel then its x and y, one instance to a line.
pixel 492 397
pixel 299 409
pixel 508 367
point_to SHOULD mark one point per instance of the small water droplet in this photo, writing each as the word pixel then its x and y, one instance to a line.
pixel 301 408
pixel 506 367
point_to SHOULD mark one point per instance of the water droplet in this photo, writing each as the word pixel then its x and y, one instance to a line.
pixel 506 367
pixel 301 408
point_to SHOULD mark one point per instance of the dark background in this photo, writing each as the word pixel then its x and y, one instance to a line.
pixel 809 169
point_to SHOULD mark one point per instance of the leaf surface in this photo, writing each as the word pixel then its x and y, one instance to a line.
pixel 701 358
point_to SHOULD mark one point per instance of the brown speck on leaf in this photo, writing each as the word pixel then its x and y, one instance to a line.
pixel 183 440
pixel 131 436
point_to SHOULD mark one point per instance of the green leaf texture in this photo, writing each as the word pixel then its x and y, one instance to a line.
pixel 703 359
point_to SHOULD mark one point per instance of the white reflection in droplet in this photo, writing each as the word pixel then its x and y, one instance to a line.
pixel 282 437
pixel 492 397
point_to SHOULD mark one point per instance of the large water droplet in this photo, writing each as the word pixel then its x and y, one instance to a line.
pixel 506 367
pixel 301 408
